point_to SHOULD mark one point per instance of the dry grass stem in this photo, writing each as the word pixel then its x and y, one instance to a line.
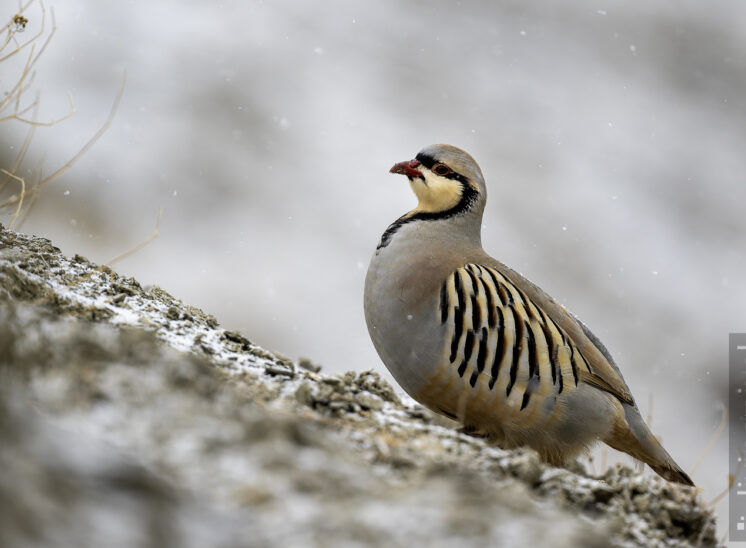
pixel 19 116
pixel 36 188
pixel 21 154
pixel 19 198
pixel 92 140
pixel 731 481
pixel 713 439
pixel 142 244
pixel 12 107
pixel 36 176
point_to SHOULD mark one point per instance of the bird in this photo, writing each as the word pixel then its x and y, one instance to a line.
pixel 473 340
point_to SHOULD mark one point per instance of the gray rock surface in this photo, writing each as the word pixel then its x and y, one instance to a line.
pixel 129 418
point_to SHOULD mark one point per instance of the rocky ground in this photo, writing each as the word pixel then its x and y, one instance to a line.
pixel 129 418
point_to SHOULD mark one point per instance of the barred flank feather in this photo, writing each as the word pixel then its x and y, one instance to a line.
pixel 476 300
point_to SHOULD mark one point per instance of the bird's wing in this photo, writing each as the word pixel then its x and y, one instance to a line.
pixel 603 372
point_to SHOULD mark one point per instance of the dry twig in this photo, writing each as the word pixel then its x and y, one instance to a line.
pixel 142 244
pixel 713 439
pixel 19 198
pixel 12 108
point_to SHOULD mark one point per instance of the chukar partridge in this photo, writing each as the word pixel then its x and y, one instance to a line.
pixel 471 339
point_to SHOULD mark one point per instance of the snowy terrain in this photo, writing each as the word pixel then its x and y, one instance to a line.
pixel 131 418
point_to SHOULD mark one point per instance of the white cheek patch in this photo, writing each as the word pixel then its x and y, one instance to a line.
pixel 435 193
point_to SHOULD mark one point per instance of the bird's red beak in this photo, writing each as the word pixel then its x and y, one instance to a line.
pixel 408 168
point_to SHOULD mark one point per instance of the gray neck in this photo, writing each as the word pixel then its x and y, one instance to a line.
pixel 462 229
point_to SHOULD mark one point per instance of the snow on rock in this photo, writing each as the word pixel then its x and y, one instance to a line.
pixel 130 418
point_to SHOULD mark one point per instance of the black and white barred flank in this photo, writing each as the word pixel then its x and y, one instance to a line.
pixel 497 331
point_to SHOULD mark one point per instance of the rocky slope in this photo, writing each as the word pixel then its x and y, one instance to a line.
pixel 129 418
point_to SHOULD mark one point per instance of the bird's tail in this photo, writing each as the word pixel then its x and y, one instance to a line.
pixel 632 436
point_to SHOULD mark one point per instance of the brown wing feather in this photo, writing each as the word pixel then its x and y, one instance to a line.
pixel 600 383
pixel 605 374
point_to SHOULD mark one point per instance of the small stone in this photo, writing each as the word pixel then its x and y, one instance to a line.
pixel 527 467
pixel 642 502
pixel 211 321
pixel 604 494
pixel 121 288
pixel 334 381
pixel 277 369
pixel 335 405
pixel 102 267
pixel 304 394
pixel 399 460
pixel 368 401
pixel 207 349
pixel 236 337
pixel 372 382
pixel 308 365
pixel 418 412
pixel 253 496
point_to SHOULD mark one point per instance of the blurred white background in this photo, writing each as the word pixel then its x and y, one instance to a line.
pixel 612 136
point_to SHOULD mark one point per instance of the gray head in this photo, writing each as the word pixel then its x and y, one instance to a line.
pixel 450 190
pixel 446 180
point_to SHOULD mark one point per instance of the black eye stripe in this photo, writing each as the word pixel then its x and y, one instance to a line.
pixel 426 160
pixel 456 176
pixel 429 162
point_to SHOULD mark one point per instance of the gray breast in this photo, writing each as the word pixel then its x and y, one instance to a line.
pixel 401 307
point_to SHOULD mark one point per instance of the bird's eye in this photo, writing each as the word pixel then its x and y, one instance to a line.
pixel 441 169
